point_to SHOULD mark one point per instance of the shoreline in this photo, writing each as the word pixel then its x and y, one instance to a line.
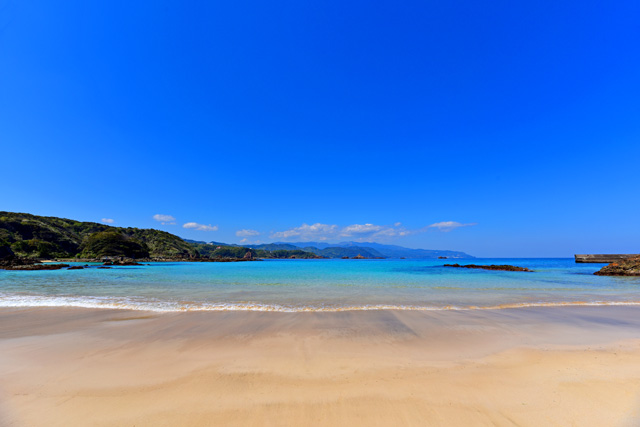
pixel 529 366
pixel 169 307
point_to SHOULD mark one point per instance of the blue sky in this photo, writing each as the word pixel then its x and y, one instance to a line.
pixel 498 128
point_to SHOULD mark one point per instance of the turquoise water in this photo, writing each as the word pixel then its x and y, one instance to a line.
pixel 329 285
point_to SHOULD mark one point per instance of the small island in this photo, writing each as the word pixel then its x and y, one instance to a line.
pixel 491 267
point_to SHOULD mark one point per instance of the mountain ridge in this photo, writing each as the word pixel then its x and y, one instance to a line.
pixel 388 251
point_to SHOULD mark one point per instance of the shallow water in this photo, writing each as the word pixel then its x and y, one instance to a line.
pixel 319 285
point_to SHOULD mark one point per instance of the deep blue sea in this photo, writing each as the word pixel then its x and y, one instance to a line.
pixel 319 285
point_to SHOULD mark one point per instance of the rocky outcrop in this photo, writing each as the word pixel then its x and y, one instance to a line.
pixel 126 261
pixel 491 267
pixel 626 267
pixel 359 257
pixel 9 261
pixel 30 267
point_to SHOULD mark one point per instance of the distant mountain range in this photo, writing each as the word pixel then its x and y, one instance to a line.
pixel 351 249
pixel 377 249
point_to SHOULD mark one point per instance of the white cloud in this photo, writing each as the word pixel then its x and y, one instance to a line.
pixel 360 229
pixel 165 219
pixel 247 233
pixel 368 232
pixel 358 232
pixel 307 232
pixel 450 225
pixel 245 240
pixel 200 227
pixel 108 220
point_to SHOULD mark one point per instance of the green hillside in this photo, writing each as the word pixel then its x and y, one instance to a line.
pixel 35 236
pixel 335 252
pixel 329 252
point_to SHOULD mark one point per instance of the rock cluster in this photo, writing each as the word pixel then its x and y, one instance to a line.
pixel 626 267
pixel 121 261
pixel 36 267
pixel 491 267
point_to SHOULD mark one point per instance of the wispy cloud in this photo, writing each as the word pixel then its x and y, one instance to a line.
pixel 450 225
pixel 356 229
pixel 247 233
pixel 358 232
pixel 165 219
pixel 108 220
pixel 200 227
pixel 307 232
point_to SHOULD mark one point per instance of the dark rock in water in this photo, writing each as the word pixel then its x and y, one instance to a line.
pixel 359 257
pixel 9 261
pixel 104 267
pixel 76 267
pixel 442 257
pixel 122 261
pixel 626 267
pixel 31 267
pixel 491 267
pixel 345 257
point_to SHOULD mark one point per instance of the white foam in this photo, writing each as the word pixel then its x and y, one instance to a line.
pixel 21 300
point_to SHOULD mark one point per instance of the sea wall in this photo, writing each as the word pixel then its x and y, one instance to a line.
pixel 602 258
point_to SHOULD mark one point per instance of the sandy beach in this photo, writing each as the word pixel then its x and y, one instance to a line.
pixel 532 367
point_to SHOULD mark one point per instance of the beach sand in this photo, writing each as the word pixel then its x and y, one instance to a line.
pixel 532 367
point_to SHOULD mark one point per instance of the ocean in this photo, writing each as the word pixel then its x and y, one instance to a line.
pixel 319 285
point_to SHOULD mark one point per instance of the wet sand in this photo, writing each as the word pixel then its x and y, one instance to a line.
pixel 529 366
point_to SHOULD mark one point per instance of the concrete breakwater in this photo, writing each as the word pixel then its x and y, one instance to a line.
pixel 602 258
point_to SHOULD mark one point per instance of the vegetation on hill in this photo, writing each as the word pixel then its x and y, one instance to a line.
pixel 329 252
pixel 209 250
pixel 269 247
pixel 337 252
pixel 286 253
pixel 33 236
pixel 112 243
pixel 219 250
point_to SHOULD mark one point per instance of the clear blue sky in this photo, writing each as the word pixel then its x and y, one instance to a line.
pixel 520 120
